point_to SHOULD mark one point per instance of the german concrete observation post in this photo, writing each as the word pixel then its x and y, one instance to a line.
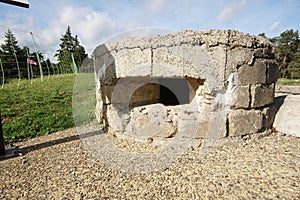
pixel 192 83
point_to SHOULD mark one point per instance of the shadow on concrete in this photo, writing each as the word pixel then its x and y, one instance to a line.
pixel 278 101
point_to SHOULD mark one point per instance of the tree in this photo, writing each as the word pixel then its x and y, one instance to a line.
pixel 70 49
pixel 11 53
pixel 287 53
pixel 79 52
pixel 262 35
pixel 10 44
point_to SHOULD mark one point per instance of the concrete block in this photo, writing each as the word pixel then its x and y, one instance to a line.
pixel 237 57
pixel 244 122
pixel 255 74
pixel 240 97
pixel 262 95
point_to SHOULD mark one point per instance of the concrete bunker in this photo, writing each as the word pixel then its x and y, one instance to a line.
pixel 195 83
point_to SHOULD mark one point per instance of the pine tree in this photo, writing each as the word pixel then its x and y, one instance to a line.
pixel 69 47
pixel 8 50
pixel 79 52
pixel 10 44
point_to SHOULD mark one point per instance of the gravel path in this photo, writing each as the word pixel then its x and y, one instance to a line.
pixel 57 166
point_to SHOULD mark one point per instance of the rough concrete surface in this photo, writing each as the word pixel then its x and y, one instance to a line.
pixel 287 119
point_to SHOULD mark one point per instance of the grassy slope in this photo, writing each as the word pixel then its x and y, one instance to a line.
pixel 283 81
pixel 36 109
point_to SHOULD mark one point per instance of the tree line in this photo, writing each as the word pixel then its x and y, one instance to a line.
pixel 287 53
pixel 17 62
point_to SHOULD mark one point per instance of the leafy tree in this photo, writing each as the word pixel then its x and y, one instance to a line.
pixel 70 48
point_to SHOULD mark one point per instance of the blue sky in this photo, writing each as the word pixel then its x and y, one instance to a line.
pixel 96 20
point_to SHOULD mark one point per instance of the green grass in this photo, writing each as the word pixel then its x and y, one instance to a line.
pixel 36 109
pixel 283 81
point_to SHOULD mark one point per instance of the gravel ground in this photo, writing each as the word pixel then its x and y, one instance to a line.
pixel 57 166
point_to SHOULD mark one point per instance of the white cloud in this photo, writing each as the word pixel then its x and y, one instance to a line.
pixel 156 5
pixel 91 27
pixel 230 11
pixel 274 26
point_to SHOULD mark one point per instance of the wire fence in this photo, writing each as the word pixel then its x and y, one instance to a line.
pixel 35 58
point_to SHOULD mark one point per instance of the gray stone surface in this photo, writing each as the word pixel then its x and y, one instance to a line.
pixel 253 74
pixel 287 119
pixel 288 89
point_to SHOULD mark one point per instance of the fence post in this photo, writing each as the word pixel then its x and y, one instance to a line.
pixel 2 147
pixel 9 152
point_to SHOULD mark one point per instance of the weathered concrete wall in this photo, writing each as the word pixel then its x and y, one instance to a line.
pixel 229 73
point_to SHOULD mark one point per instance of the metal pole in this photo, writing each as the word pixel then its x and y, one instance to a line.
pixel 2 147
pixel 38 57
pixel 13 48
pixel 3 77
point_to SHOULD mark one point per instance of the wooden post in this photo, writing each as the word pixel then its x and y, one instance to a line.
pixel 2 147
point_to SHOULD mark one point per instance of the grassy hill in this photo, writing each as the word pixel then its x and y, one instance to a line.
pixel 40 108
pixel 36 109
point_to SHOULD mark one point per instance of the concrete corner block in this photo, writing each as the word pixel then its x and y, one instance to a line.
pixel 244 122
pixel 255 74
pixel 262 95
pixel 272 72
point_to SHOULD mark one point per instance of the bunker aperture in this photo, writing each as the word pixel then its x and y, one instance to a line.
pixel 153 88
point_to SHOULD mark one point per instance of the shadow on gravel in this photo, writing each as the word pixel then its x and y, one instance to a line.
pixel 57 141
